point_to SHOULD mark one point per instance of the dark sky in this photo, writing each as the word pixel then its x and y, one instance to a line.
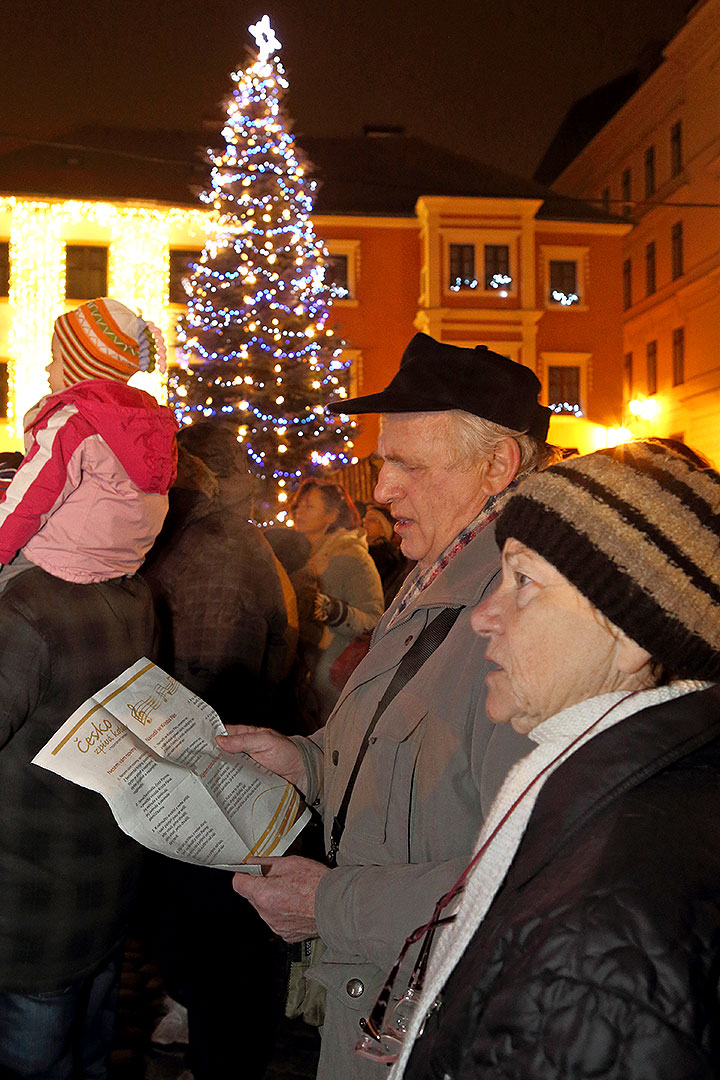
pixel 488 79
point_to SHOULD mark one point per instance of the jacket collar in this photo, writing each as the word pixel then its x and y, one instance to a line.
pixel 464 580
pixel 614 762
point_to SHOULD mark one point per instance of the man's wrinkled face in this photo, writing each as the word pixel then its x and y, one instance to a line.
pixel 431 498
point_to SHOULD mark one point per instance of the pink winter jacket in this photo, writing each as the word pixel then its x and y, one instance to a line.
pixel 91 493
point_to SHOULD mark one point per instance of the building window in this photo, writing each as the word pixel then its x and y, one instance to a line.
pixel 650 277
pixel 627 284
pixel 676 250
pixel 341 262
pixel 565 276
pixel 180 268
pixel 4 268
pixel 564 282
pixel 676 149
pixel 565 382
pixel 649 172
pixel 337 276
pixel 651 357
pixel 479 260
pixel 85 271
pixel 628 364
pixel 497 268
pixel 462 267
pixel 626 188
pixel 564 389
pixel 606 199
pixel 3 388
pixel 678 352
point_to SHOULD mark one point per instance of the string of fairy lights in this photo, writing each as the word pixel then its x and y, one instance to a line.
pixel 255 347
pixel 138 239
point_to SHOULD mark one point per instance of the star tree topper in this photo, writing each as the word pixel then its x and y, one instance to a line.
pixel 265 38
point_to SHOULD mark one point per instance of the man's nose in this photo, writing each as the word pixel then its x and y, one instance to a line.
pixel 387 487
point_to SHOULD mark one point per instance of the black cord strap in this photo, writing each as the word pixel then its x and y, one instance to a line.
pixel 427 642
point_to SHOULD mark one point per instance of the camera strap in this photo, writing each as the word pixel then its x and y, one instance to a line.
pixel 432 635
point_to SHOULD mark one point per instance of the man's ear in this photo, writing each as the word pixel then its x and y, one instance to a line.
pixel 502 468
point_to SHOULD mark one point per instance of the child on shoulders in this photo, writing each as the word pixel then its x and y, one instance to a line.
pixel 90 495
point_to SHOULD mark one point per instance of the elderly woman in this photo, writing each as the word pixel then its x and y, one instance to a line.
pixel 586 941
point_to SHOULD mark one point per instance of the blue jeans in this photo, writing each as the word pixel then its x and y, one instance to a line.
pixel 62 1035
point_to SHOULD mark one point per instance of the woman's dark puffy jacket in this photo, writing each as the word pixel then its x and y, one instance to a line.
pixel 600 955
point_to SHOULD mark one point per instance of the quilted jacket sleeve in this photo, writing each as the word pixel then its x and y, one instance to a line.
pixel 560 1029
pixel 40 480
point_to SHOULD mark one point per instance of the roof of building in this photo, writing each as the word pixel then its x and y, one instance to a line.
pixel 589 114
pixel 382 175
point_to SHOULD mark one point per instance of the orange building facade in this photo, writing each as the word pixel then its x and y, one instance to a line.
pixel 530 274
pixel 402 277
pixel 657 161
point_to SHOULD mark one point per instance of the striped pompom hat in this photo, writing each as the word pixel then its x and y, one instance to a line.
pixel 103 339
pixel 636 529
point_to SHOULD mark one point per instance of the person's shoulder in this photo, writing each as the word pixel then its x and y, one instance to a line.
pixel 347 542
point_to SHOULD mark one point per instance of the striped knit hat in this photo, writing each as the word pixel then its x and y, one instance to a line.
pixel 103 339
pixel 636 529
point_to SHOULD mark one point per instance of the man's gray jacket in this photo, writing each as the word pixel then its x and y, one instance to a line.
pixel 418 802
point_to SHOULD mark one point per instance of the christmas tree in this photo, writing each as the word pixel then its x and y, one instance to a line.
pixel 254 344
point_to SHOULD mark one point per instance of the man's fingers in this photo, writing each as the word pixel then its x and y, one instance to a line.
pixel 245 729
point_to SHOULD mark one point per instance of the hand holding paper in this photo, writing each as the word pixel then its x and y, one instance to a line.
pixel 269 748
pixel 147 745
pixel 284 897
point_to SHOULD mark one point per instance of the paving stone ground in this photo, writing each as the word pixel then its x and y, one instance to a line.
pixel 140 1008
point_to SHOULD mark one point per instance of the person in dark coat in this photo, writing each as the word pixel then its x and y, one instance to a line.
pixel 217 592
pixel 223 619
pixel 586 938
pixel 68 873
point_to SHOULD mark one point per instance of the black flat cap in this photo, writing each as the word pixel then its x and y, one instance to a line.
pixel 434 377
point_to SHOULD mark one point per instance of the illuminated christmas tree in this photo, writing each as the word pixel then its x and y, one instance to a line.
pixel 254 345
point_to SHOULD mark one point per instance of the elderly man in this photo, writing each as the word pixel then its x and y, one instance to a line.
pixel 458 426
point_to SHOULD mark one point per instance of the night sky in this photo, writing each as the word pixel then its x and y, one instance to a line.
pixel 489 80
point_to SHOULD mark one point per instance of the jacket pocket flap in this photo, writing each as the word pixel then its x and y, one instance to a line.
pixel 401 717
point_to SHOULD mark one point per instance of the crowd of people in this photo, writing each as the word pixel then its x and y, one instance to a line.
pixel 495 686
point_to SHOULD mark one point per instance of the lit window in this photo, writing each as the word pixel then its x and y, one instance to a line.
pixel 676 149
pixel 650 276
pixel 342 263
pixel 497 268
pixel 337 276
pixel 628 364
pixel 480 262
pixel 564 282
pixel 678 347
pixel 85 271
pixel 676 250
pixel 564 389
pixel 649 172
pixel 566 271
pixel 462 267
pixel 180 268
pixel 627 284
pixel 4 268
pixel 651 358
